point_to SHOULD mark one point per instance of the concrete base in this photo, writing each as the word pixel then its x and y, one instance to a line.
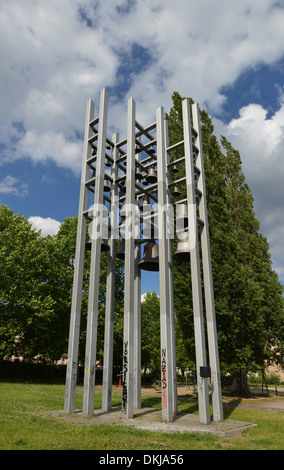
pixel 150 419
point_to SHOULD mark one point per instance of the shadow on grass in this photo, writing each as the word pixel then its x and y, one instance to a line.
pixel 151 402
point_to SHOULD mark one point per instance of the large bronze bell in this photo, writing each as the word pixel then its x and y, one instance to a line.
pixel 150 260
pixel 121 250
pixel 151 176
pixel 182 254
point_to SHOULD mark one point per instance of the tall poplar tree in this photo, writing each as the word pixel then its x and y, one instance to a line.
pixel 248 296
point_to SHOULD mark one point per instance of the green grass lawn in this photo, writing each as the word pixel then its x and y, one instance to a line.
pixel 22 428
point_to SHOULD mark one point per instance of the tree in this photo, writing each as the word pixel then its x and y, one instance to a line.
pixel 26 307
pixel 36 281
pixel 248 295
pixel 150 328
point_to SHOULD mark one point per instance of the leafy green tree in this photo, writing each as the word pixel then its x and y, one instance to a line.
pixel 150 332
pixel 26 306
pixel 36 281
pixel 248 295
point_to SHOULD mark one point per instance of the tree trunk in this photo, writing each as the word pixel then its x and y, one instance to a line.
pixel 240 384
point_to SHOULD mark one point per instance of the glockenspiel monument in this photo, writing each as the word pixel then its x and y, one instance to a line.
pixel 130 184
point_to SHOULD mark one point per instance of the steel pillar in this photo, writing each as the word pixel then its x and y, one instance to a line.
pixel 165 311
pixel 110 292
pixel 74 329
pixel 93 301
pixel 128 333
pixel 208 280
pixel 200 348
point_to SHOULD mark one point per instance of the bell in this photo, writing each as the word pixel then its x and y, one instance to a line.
pixel 181 216
pixel 106 186
pixel 108 163
pixel 151 176
pixel 150 260
pixel 182 254
pixel 104 246
pixel 121 250
pixel 175 169
pixel 176 191
pixel 138 174
pixel 151 150
pixel 145 202
pixel 123 211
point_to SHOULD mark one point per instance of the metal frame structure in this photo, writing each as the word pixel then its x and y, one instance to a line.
pixel 144 149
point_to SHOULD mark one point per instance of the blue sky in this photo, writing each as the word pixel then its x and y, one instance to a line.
pixel 228 56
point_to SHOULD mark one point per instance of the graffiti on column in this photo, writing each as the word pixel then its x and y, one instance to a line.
pixel 164 379
pixel 124 378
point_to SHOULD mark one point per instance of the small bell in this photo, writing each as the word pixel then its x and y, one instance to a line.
pixel 104 246
pixel 150 260
pixel 138 174
pixel 121 250
pixel 151 150
pixel 145 202
pixel 123 211
pixel 106 186
pixel 108 163
pixel 175 169
pixel 176 191
pixel 182 254
pixel 151 176
pixel 181 216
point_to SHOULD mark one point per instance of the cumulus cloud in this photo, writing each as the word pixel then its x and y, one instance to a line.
pixel 260 141
pixel 11 185
pixel 47 226
pixel 55 55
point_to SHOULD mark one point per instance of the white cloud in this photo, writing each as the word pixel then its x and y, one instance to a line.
pixel 260 141
pixel 57 54
pixel 47 226
pixel 52 62
pixel 11 185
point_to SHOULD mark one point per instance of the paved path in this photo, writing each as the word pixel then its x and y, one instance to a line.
pixel 149 419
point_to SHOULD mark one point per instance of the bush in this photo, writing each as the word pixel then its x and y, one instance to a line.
pixel 24 370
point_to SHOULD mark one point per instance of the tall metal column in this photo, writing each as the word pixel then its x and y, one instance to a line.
pixel 137 331
pixel 110 292
pixel 93 301
pixel 74 331
pixel 200 348
pixel 128 332
pixel 171 283
pixel 166 343
pixel 208 280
